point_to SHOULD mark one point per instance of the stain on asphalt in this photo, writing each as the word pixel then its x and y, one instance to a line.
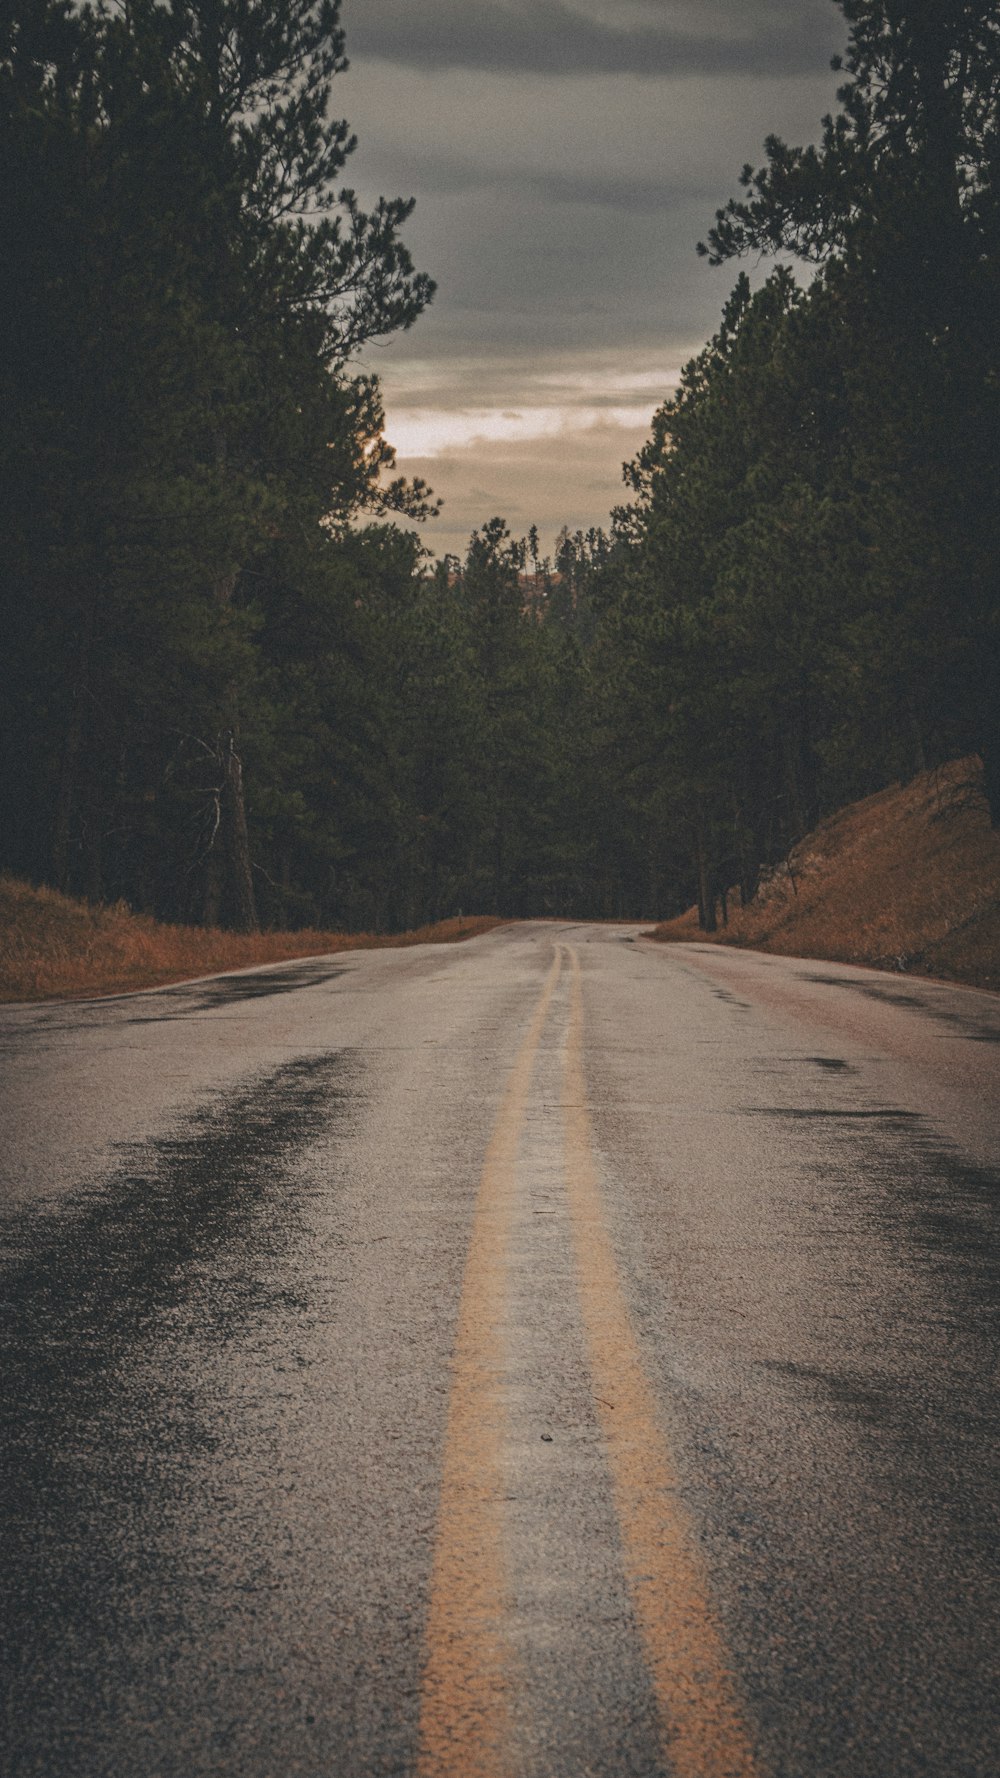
pixel 885 1114
pixel 889 1381
pixel 122 1248
pixel 977 1030
pixel 189 999
pixel 187 1248
pixel 872 990
pixel 182 1000
pixel 857 1392
pixel 938 1215
pixel 731 999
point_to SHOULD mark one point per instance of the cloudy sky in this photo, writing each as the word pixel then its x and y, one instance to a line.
pixel 566 155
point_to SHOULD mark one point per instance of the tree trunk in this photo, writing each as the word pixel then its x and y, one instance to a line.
pixel 654 884
pixel 211 910
pixel 236 841
pixel 798 822
pixel 93 825
pixel 991 784
pixel 989 752
pixel 917 760
pixel 930 34
pixel 238 900
pixel 987 729
pixel 285 880
pixel 499 855
pixel 706 896
pixel 67 795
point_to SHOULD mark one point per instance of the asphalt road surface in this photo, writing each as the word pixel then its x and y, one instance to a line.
pixel 551 1355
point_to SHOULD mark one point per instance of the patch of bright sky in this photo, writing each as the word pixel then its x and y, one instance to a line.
pixel 425 433
pixel 559 212
pixel 429 419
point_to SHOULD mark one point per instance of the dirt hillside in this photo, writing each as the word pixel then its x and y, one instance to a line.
pixel 52 946
pixel 908 879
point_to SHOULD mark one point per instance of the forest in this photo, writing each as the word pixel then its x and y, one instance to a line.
pixel 235 688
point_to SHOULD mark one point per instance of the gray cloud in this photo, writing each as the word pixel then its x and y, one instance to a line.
pixel 621 193
pixel 518 278
pixel 557 37
pixel 559 217
pixel 456 175
pixel 609 378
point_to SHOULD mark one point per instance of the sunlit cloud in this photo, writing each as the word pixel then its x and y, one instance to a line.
pixel 433 433
pixel 543 444
pixel 572 477
pixel 430 414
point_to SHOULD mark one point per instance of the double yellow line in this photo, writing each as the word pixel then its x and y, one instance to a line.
pixel 469 1677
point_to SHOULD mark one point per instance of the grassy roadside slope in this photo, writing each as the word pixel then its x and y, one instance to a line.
pixel 52 946
pixel 908 879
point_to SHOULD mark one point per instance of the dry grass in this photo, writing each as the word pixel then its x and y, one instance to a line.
pixel 908 879
pixel 54 947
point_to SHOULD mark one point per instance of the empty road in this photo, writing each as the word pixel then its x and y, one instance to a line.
pixel 552 1356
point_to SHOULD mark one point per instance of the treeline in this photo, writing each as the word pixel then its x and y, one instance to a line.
pixel 236 691
pixel 184 440
pixel 811 606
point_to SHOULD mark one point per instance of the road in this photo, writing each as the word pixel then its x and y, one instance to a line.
pixel 548 1356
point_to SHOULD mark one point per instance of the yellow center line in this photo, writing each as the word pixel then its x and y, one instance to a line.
pixel 464 1719
pixel 704 1734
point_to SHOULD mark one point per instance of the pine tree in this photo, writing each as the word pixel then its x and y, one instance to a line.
pixel 186 286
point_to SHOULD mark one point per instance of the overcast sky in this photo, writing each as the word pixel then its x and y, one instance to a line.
pixel 565 155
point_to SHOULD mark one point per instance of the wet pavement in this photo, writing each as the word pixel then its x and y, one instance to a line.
pixel 313 1344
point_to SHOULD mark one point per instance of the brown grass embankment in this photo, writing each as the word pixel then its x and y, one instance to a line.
pixel 908 879
pixel 54 947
